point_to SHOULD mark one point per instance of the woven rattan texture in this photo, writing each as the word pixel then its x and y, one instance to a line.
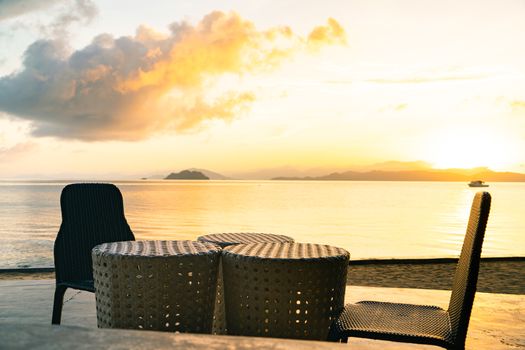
pixel 467 270
pixel 227 239
pixel 424 324
pixel 290 251
pixel 156 285
pixel 219 314
pixel 400 320
pixel 91 214
pixel 283 295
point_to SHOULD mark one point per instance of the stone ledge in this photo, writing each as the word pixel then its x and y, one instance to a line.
pixel 497 320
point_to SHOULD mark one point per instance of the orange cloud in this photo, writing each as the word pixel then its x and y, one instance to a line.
pixel 131 87
pixel 224 108
pixel 333 33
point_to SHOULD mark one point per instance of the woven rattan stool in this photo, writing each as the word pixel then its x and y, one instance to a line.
pixel 227 239
pixel 156 285
pixel 290 290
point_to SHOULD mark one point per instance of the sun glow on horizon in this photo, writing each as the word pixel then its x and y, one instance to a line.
pixel 470 147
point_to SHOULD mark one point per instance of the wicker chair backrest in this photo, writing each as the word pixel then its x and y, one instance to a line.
pixel 91 214
pixel 466 276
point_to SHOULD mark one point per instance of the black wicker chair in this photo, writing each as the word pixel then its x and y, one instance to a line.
pixel 91 214
pixel 418 323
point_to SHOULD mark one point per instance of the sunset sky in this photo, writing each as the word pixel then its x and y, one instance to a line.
pixel 101 89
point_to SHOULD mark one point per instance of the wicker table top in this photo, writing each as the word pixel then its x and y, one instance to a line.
pixel 287 251
pixel 155 249
pixel 231 238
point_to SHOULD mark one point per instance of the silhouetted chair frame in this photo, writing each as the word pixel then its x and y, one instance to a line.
pixel 420 323
pixel 92 214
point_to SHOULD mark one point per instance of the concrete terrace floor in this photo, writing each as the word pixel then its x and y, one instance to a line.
pixel 497 322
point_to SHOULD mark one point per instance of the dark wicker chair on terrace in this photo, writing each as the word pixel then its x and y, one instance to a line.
pixel 419 323
pixel 91 214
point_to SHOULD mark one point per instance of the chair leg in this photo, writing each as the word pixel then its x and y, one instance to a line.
pixel 334 336
pixel 57 304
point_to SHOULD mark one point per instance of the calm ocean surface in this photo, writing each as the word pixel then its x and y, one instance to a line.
pixel 369 219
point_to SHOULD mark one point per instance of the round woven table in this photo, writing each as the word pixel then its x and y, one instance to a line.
pixel 231 238
pixel 156 285
pixel 227 239
pixel 291 290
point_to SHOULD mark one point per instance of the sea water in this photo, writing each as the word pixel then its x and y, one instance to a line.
pixel 371 219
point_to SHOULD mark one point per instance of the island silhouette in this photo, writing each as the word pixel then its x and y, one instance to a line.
pixel 187 175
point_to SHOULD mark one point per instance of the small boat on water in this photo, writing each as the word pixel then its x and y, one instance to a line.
pixel 477 183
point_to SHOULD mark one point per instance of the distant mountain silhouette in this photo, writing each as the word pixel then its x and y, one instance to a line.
pixel 394 165
pixel 484 174
pixel 187 175
pixel 293 172
pixel 211 174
